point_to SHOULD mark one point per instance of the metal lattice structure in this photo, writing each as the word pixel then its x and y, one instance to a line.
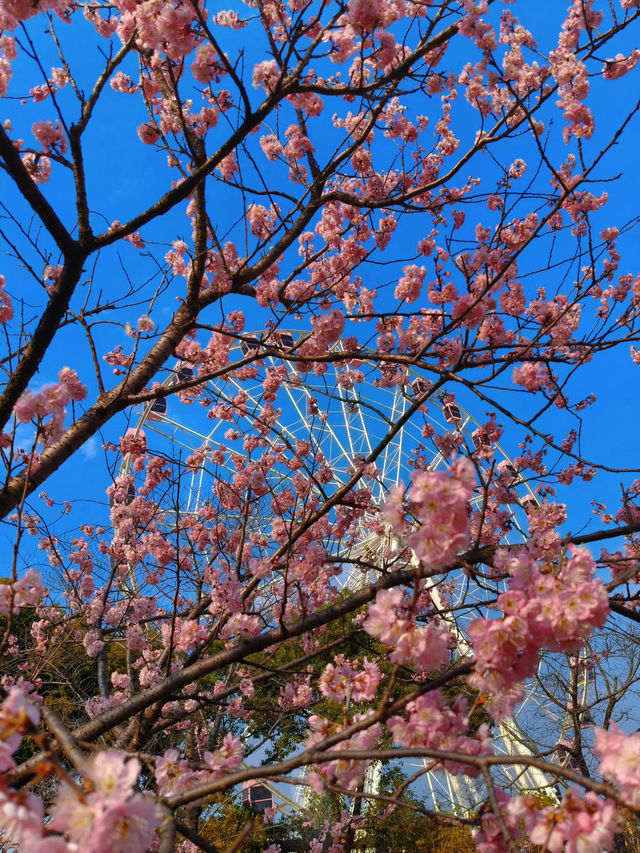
pixel 345 414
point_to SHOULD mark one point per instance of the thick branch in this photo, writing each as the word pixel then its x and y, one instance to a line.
pixel 37 347
pixel 35 199
pixel 114 716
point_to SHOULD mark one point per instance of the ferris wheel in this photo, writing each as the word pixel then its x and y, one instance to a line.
pixel 330 424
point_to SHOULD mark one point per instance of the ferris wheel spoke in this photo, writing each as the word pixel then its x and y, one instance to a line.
pixel 303 416
pixel 390 473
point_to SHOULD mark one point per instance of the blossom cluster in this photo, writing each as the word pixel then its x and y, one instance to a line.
pixel 111 815
pixel 6 308
pixel 21 10
pixel 546 606
pixel 25 591
pixel 327 329
pixel 440 500
pixel 620 761
pixel 430 722
pixel 581 823
pixel 344 679
pixel 422 647
pixel 101 814
pixel 175 775
pixel 50 402
pixel 17 716
pixel 347 773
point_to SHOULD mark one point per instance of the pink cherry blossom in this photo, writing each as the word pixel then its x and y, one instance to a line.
pixel 50 136
pixel 148 133
pixel 367 246
pixel 620 760
pixel 39 168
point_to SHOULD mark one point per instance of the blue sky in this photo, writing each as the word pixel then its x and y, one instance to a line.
pixel 124 176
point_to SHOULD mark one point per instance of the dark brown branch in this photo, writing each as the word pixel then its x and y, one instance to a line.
pixel 43 335
pixel 35 199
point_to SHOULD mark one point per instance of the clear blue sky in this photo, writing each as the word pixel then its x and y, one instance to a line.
pixel 124 176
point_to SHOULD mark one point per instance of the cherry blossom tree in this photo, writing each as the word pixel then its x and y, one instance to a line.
pixel 361 197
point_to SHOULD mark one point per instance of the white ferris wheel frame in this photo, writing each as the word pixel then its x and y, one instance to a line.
pixel 352 439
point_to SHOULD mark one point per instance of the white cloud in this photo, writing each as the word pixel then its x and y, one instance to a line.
pixel 90 449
